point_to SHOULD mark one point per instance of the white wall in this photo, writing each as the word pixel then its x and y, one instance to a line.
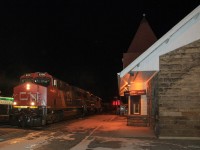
pixel 143 105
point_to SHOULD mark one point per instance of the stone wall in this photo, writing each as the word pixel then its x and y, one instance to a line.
pixel 152 99
pixel 179 92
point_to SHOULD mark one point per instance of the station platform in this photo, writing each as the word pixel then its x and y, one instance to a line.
pixel 118 128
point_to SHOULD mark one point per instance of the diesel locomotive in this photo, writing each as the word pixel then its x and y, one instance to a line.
pixel 41 99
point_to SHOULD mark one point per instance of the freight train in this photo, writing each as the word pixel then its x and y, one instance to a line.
pixel 42 99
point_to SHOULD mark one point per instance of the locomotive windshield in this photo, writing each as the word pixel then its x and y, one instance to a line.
pixel 23 80
pixel 41 81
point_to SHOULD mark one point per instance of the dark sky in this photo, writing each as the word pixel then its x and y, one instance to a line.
pixel 78 41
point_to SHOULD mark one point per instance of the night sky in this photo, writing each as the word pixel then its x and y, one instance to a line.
pixel 78 41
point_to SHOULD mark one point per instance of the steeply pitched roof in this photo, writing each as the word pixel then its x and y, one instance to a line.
pixel 143 38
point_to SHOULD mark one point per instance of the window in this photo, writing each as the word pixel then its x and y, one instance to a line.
pixel 42 81
pixel 55 82
pixel 23 80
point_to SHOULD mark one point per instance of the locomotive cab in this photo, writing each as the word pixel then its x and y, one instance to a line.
pixel 30 101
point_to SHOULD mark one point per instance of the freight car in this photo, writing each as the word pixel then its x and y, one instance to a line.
pixel 41 99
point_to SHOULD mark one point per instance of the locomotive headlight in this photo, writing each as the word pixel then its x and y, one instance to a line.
pixel 14 103
pixel 32 103
pixel 28 86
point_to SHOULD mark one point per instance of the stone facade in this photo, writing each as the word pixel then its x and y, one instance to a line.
pixel 152 97
pixel 179 92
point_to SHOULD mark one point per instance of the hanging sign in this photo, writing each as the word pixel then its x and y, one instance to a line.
pixel 138 92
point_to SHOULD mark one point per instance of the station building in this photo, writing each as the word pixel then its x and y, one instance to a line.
pixel 162 83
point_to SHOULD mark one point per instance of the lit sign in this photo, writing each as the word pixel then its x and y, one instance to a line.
pixel 7 98
pixel 116 103
pixel 138 92
pixel 6 102
pixel 135 92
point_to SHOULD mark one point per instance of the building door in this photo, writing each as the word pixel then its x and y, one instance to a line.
pixel 135 105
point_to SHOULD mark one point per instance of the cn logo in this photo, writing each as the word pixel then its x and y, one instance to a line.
pixel 23 96
pixel 28 95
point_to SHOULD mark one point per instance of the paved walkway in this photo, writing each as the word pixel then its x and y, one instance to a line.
pixel 126 131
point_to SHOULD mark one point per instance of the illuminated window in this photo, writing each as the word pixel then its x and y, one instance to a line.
pixel 55 82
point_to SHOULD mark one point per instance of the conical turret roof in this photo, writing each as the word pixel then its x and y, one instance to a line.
pixel 142 40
